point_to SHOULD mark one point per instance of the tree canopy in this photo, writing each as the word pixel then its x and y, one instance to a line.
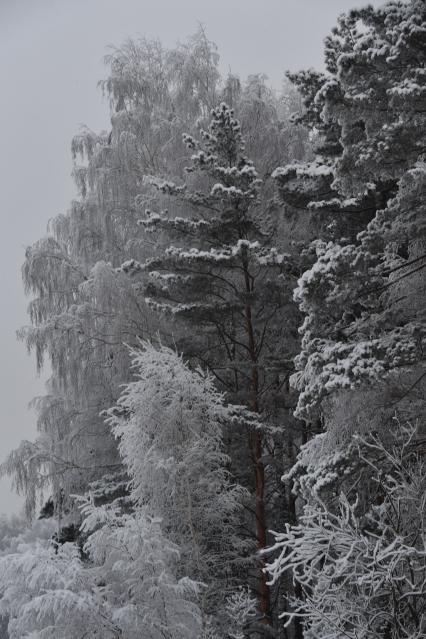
pixel 232 441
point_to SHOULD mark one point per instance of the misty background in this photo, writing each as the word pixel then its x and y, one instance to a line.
pixel 51 58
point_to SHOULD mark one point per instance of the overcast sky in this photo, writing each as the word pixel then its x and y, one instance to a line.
pixel 51 55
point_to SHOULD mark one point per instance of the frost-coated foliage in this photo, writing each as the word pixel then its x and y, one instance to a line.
pixel 240 609
pixel 362 570
pixel 137 564
pixel 219 217
pixel 357 552
pixel 363 297
pixel 84 312
pixel 169 423
pixel 122 582
pixel 182 516
pixel 127 590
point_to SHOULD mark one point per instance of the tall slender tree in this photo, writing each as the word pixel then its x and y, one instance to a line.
pixel 226 288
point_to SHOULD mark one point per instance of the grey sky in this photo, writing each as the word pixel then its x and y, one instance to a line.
pixel 50 61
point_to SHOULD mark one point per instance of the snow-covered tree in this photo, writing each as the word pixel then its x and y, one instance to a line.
pixel 84 311
pixel 362 297
pixel 225 287
pixel 169 424
pixel 161 557
pixel 363 336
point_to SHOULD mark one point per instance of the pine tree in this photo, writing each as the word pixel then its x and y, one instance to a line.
pixel 359 325
pixel 362 294
pixel 225 286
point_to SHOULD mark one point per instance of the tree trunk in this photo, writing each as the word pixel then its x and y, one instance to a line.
pixel 256 451
pixel 264 594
